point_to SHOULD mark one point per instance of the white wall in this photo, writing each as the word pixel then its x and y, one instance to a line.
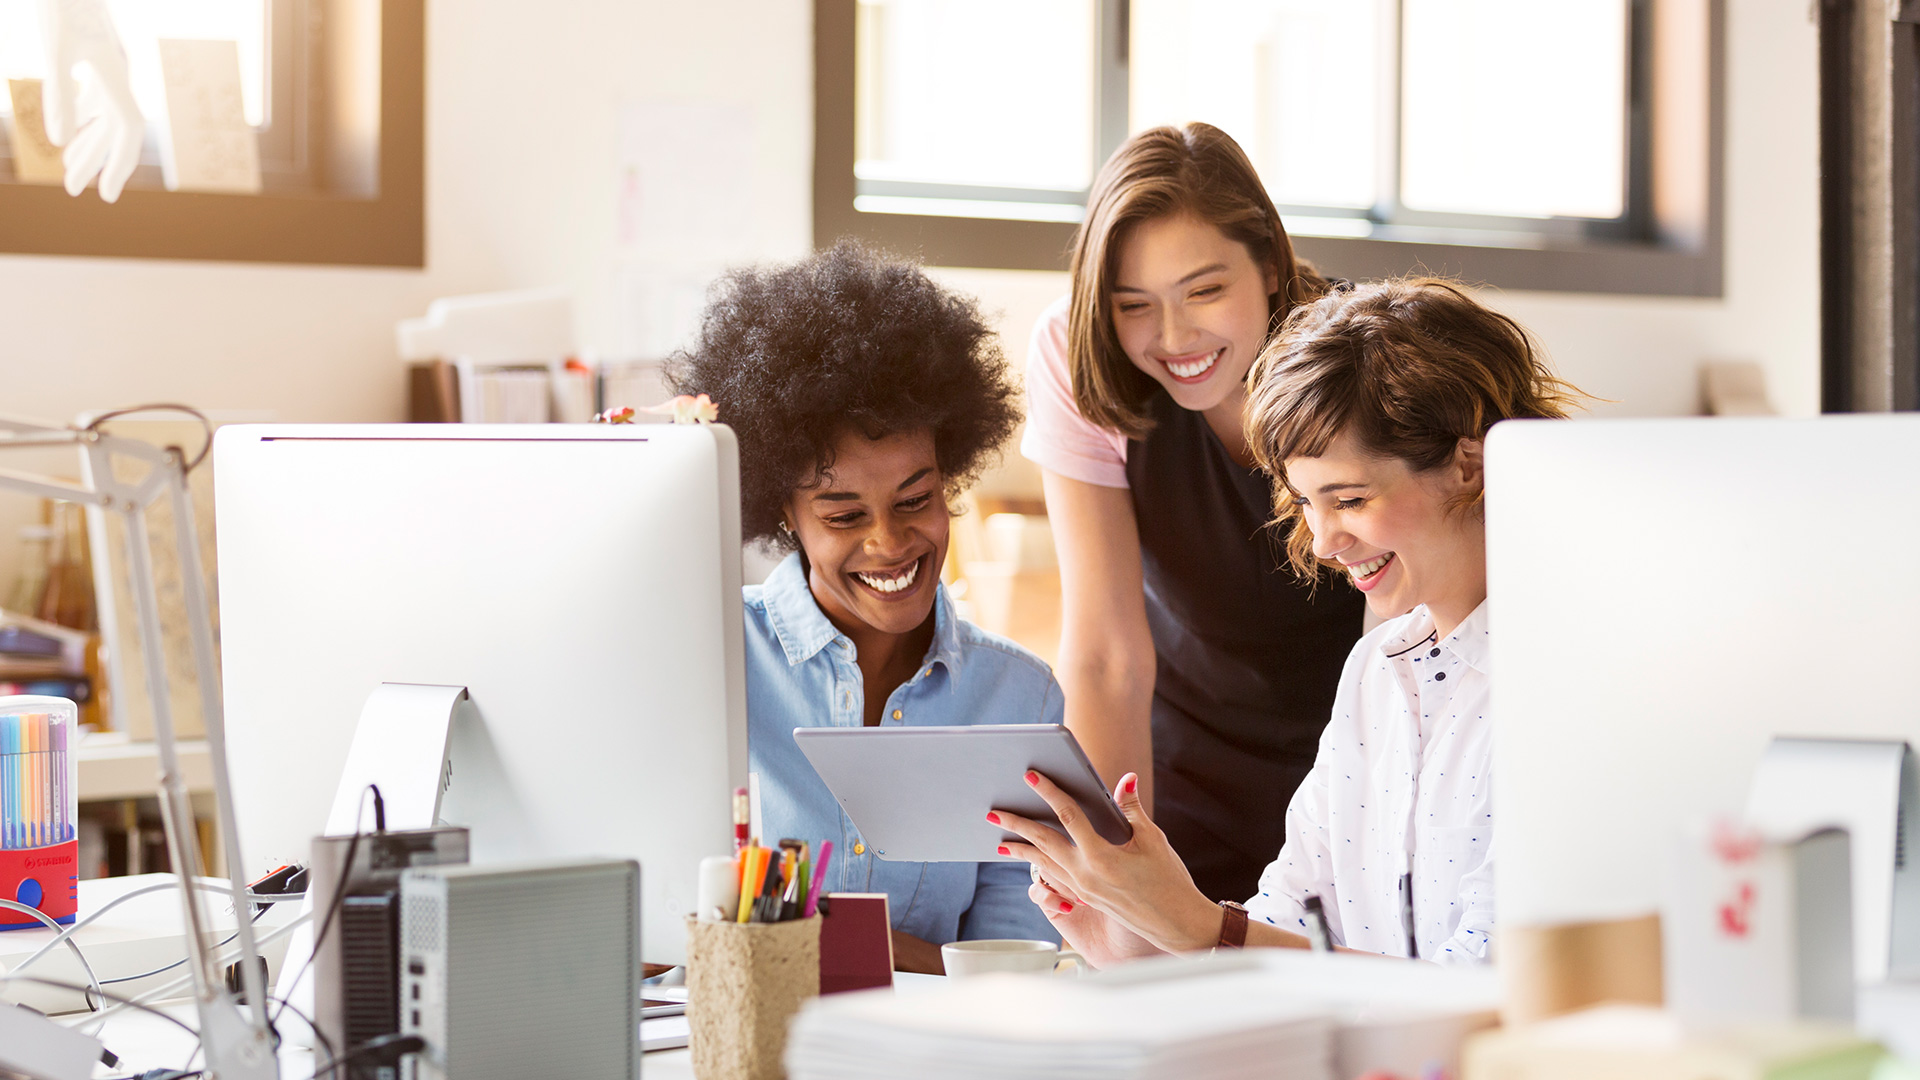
pixel 524 105
pixel 1644 353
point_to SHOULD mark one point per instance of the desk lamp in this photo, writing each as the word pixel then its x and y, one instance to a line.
pixel 237 1047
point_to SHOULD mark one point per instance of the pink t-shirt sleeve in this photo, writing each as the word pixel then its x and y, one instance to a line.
pixel 1058 438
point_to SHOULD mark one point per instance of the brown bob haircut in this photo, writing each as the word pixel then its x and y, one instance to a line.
pixel 1196 169
pixel 1408 367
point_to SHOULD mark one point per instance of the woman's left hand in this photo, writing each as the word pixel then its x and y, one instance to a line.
pixel 1142 882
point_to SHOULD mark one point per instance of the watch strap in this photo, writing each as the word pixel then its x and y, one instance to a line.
pixel 1233 925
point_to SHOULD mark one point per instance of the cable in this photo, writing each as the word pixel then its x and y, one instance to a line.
pixel 156 971
pixel 339 888
pixel 92 979
pixel 394 1043
pixel 325 1043
pixel 120 1002
pixel 164 989
pixel 206 426
pixel 208 884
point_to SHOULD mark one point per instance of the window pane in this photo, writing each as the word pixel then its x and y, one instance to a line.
pixel 1514 107
pixel 1291 80
pixel 141 23
pixel 988 92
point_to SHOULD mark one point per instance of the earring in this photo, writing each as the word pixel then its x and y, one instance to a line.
pixel 785 529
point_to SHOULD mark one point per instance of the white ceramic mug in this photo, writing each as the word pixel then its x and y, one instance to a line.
pixel 964 958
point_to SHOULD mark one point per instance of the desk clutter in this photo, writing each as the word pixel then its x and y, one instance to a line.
pixel 1258 1013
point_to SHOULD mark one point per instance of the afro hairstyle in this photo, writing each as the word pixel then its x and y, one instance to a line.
pixel 793 355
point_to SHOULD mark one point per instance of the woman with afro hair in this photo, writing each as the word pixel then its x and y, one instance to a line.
pixel 865 399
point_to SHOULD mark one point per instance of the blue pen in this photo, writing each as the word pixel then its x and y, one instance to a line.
pixel 9 782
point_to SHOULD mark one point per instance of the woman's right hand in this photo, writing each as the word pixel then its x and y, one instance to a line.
pixel 1092 933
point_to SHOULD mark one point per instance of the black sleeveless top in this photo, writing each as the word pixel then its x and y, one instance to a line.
pixel 1247 660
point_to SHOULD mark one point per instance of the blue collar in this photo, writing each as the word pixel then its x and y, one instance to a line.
pixel 804 630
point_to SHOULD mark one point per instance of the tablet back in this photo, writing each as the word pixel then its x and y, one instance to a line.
pixel 921 794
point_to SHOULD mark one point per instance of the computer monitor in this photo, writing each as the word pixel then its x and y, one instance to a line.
pixel 583 582
pixel 1666 596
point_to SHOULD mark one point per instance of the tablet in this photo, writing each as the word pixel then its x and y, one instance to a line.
pixel 921 794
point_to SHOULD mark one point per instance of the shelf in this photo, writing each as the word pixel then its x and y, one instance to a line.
pixel 112 766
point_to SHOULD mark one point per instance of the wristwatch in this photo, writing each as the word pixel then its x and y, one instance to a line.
pixel 1233 925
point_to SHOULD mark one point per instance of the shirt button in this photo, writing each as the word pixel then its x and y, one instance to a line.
pixel 859 848
pixel 1439 676
pixel 897 714
pixel 1435 652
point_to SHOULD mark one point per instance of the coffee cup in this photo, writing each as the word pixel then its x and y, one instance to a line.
pixel 964 958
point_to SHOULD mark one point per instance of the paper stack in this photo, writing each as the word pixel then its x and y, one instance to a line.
pixel 1262 1013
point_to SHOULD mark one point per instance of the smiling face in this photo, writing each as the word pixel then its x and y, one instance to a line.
pixel 1191 309
pixel 875 532
pixel 1398 534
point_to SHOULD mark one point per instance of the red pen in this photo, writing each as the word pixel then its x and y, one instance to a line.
pixel 739 819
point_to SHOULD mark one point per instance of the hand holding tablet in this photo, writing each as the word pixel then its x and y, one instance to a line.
pixel 921 794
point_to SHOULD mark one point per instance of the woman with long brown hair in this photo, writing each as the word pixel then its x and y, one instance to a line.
pixel 1190 653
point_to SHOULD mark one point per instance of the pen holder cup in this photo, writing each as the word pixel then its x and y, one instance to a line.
pixel 745 982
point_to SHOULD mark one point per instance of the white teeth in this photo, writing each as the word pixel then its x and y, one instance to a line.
pixel 1370 567
pixel 1195 367
pixel 892 584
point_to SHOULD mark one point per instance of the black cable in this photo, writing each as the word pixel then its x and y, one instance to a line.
pixel 206 426
pixel 339 898
pixel 184 959
pixel 394 1043
pixel 325 1043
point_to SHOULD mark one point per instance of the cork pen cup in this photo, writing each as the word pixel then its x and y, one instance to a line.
pixel 745 982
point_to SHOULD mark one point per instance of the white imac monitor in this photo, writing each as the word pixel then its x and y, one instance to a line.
pixel 583 582
pixel 1666 597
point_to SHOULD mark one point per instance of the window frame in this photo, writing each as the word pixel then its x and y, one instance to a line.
pixel 343 169
pixel 1668 241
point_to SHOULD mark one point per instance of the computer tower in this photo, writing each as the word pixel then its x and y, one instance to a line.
pixel 357 962
pixel 522 969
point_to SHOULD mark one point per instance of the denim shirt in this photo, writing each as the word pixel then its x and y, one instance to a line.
pixel 801 673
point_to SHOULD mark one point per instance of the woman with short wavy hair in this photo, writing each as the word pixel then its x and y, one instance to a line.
pixel 1370 410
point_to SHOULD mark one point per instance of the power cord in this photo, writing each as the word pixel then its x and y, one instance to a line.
pixel 92 979
pixel 203 884
pixel 339 887
pixel 119 1002
pixel 386 1049
pixel 159 970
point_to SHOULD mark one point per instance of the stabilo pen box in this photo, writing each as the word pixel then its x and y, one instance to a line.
pixel 39 807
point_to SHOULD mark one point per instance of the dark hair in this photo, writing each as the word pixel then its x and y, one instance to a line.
pixel 1408 367
pixel 846 338
pixel 1197 169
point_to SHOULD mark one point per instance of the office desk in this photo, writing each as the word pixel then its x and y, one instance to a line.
pixel 144 1042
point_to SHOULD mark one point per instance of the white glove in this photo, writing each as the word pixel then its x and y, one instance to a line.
pixel 101 108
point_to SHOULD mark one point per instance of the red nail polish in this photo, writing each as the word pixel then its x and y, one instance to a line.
pixel 1132 783
pixel 993 817
pixel 1003 851
pixel 1032 777
pixel 1065 907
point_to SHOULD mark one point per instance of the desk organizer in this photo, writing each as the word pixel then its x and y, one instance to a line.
pixel 39 808
pixel 745 982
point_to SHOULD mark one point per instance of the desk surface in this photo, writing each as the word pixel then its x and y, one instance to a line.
pixel 144 1042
